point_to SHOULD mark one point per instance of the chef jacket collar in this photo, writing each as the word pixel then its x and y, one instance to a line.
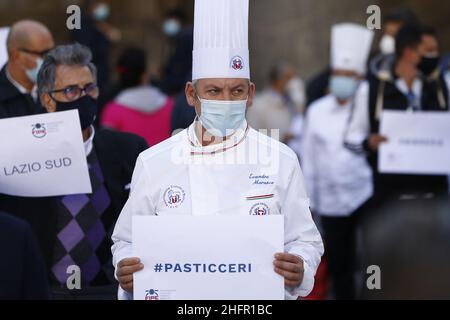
pixel 233 141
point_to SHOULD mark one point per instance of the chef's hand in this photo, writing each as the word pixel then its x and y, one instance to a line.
pixel 291 268
pixel 125 270
pixel 375 140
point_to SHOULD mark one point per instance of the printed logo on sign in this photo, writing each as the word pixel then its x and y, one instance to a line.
pixel 151 295
pixel 237 63
pixel 174 197
pixel 39 131
pixel 260 209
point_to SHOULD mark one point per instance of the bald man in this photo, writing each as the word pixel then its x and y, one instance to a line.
pixel 27 44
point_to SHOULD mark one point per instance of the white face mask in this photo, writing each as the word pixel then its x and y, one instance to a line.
pixel 387 44
pixel 343 87
pixel 101 13
pixel 296 91
pixel 32 74
pixel 171 27
pixel 222 118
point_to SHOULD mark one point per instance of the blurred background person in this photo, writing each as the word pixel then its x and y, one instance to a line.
pixel 139 108
pixel 396 19
pixel 183 114
pixel 403 87
pixel 429 66
pixel 178 67
pixel 318 85
pixel 281 105
pixel 339 182
pixel 98 35
pixel 22 272
pixel 27 43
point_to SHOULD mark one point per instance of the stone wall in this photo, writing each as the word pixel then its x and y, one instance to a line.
pixel 293 30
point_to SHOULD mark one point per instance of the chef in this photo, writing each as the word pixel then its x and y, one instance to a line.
pixel 219 165
pixel 338 181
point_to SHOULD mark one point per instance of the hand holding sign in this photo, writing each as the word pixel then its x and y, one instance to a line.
pixel 209 257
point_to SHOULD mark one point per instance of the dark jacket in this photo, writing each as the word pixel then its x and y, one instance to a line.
pixel 13 103
pixel 90 36
pixel 22 272
pixel 117 154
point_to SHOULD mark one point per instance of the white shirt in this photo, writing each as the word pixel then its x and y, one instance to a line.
pixel 213 184
pixel 89 143
pixel 338 181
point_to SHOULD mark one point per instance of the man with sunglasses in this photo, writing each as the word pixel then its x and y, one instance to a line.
pixel 28 42
pixel 74 231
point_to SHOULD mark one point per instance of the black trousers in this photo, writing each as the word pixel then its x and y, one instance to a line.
pixel 340 248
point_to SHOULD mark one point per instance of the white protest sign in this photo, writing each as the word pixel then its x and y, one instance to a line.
pixel 208 257
pixel 43 155
pixel 419 143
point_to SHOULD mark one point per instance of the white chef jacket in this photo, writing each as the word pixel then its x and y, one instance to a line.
pixel 211 184
pixel 338 181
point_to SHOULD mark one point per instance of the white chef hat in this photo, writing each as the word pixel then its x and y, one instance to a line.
pixel 350 47
pixel 221 39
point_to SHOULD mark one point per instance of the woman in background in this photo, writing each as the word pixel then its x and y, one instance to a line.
pixel 139 108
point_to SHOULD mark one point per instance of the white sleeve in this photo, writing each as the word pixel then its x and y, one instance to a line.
pixel 301 235
pixel 139 203
pixel 308 156
pixel 359 127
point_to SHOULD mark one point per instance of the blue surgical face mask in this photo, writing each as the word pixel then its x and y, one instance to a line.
pixel 32 74
pixel 222 118
pixel 343 87
pixel 101 13
pixel 171 27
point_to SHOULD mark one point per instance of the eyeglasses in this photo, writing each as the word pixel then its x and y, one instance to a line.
pixel 36 53
pixel 73 93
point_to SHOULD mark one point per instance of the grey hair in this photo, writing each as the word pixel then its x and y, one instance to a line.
pixel 66 55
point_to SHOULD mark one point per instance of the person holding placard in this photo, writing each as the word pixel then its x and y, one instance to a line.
pixel 215 167
pixel 403 87
pixel 338 181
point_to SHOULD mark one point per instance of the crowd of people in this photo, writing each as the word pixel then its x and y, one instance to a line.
pixel 332 122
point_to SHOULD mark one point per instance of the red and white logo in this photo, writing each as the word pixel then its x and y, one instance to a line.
pixel 237 63
pixel 174 197
pixel 260 209
pixel 39 131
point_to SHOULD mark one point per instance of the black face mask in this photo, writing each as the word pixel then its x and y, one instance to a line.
pixel 428 65
pixel 87 109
